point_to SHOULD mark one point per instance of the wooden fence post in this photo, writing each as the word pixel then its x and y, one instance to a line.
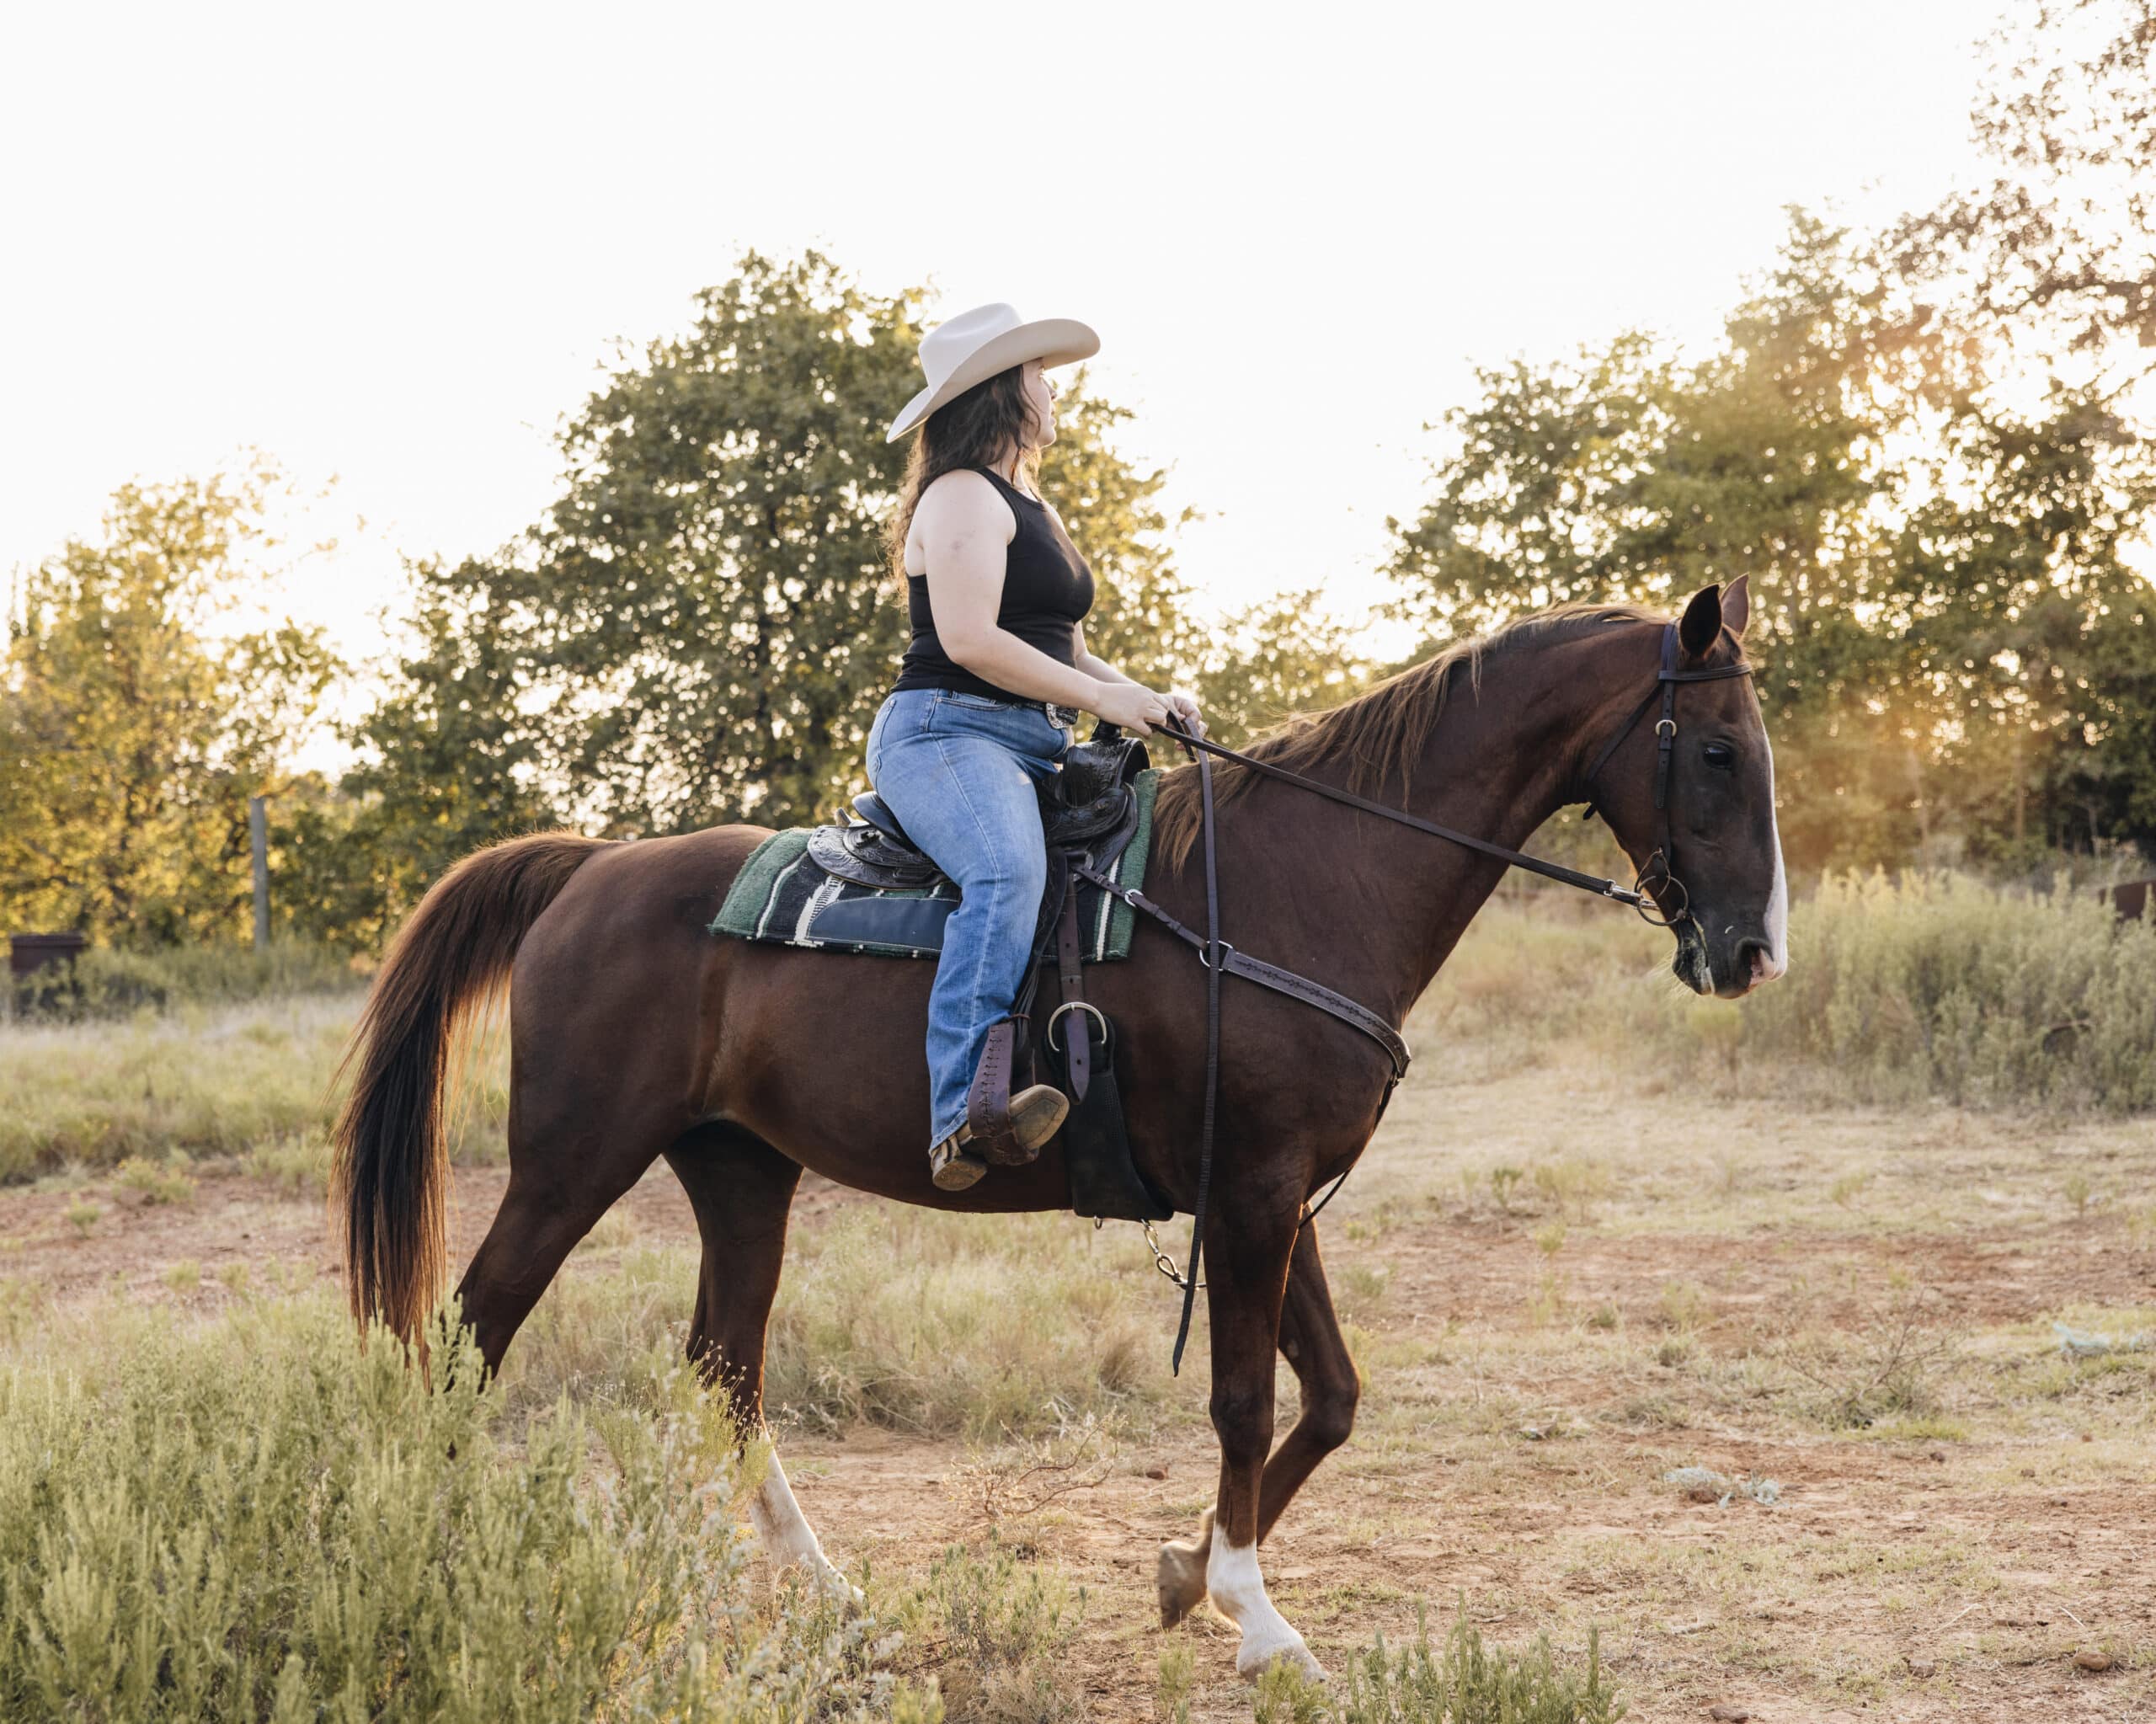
pixel 258 830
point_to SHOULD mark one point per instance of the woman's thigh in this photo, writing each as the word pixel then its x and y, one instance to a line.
pixel 968 799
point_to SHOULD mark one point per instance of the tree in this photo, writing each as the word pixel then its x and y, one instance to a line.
pixel 701 629
pixel 2061 240
pixel 1276 658
pixel 450 764
pixel 132 732
pixel 1941 594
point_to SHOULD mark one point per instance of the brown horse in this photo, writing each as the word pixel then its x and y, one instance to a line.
pixel 635 1033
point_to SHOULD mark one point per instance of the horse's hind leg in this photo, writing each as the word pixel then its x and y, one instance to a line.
pixel 564 1174
pixel 742 1190
pixel 1315 1350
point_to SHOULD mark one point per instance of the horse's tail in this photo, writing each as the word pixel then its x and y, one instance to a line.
pixel 391 1138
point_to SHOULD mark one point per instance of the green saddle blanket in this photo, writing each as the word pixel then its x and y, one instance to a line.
pixel 782 896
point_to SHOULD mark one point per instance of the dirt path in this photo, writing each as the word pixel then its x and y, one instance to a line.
pixel 1915 1580
pixel 1523 1401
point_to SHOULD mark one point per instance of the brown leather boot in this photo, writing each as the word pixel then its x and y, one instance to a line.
pixel 951 1167
pixel 1035 1115
pixel 1001 1128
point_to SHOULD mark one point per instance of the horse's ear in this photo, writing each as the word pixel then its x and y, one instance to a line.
pixel 1737 604
pixel 1700 626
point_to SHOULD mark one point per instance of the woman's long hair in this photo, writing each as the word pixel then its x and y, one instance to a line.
pixel 977 429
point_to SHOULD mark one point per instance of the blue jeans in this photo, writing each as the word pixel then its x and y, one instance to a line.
pixel 959 772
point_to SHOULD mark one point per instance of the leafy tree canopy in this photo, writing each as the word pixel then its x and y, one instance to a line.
pixel 136 720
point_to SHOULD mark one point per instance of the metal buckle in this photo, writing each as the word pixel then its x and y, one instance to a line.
pixel 1665 729
pixel 1225 948
pixel 1084 1006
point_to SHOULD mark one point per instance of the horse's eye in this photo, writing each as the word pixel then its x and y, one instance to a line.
pixel 1721 756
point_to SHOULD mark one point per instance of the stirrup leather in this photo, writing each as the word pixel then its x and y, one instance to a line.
pixel 988 1103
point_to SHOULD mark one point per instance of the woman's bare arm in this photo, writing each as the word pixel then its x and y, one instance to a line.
pixel 961 520
pixel 1181 706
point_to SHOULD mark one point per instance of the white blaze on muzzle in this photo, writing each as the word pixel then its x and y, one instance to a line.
pixel 1777 916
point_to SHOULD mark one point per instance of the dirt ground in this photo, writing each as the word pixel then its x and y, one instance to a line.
pixel 1562 1284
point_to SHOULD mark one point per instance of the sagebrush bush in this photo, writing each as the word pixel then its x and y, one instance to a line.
pixel 155 1182
pixel 1938 985
pixel 1927 986
pixel 1001 1629
pixel 104 982
pixel 200 1082
pixel 1462 1681
pixel 254 1519
pixel 980 1326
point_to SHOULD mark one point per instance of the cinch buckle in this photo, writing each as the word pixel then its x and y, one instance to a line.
pixel 1073 1006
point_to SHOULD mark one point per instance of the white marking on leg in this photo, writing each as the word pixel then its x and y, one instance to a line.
pixel 1237 1589
pixel 788 1537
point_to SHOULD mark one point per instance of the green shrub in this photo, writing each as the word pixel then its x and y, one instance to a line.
pixel 1899 991
pixel 253 1518
pixel 1936 985
pixel 105 982
pixel 1462 1682
pixel 158 1182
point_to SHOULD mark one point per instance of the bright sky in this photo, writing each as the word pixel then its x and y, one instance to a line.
pixel 392 243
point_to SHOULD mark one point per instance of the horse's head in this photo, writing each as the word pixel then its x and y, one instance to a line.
pixel 1709 857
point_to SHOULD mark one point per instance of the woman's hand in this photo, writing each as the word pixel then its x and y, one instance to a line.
pixel 1183 709
pixel 1131 706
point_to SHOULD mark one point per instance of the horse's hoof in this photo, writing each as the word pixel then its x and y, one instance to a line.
pixel 839 1590
pixel 1181 1576
pixel 829 1582
pixel 1253 1661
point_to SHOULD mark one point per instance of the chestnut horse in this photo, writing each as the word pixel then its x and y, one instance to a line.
pixel 636 1033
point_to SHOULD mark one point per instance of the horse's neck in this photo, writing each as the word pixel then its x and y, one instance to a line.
pixel 1388 903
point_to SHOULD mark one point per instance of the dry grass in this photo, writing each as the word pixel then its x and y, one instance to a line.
pixel 198 1081
pixel 1581 1254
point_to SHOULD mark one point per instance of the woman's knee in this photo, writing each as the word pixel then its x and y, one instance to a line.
pixel 1013 880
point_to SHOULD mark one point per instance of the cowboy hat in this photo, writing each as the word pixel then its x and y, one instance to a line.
pixel 974 345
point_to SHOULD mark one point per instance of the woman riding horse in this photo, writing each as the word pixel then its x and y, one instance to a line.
pixel 982 712
pixel 717 1053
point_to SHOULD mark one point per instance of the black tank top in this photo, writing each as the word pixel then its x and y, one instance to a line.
pixel 1046 588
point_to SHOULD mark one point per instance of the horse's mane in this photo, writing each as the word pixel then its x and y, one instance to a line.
pixel 1381 733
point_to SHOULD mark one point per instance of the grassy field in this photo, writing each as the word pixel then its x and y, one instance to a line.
pixel 1886 1238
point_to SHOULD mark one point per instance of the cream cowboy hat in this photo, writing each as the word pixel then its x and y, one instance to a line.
pixel 974 345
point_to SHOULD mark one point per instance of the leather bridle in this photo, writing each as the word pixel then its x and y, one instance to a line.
pixel 1653 878
pixel 1651 887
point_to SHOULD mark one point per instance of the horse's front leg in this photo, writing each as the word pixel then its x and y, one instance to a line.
pixel 1247 1251
pixel 1311 1343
